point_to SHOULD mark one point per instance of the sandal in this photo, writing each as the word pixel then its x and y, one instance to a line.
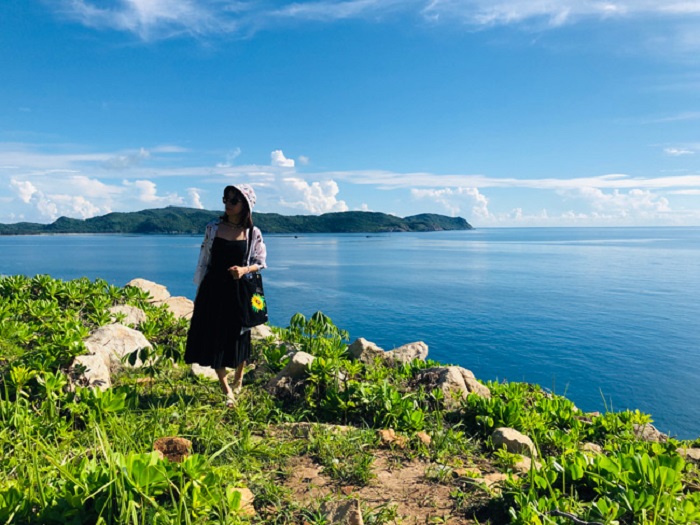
pixel 230 400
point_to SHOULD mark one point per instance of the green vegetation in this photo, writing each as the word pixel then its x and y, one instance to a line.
pixel 192 221
pixel 77 456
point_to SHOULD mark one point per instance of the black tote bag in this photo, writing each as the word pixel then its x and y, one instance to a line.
pixel 252 299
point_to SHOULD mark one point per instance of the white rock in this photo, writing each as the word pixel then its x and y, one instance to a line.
pixel 95 372
pixel 515 442
pixel 113 341
pixel 179 306
pixel 158 292
pixel 133 316
pixel 455 382
pixel 690 454
pixel 649 432
pixel 407 353
pixel 294 369
pixel 204 371
pixel 524 465
pixel 262 331
pixel 365 351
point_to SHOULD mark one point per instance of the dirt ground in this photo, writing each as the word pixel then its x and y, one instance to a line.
pixel 403 483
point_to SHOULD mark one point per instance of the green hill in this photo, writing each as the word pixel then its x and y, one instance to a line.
pixel 177 220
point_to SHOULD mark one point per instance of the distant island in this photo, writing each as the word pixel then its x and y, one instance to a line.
pixel 179 220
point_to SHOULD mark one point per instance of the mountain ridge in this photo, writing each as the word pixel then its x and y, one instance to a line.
pixel 182 220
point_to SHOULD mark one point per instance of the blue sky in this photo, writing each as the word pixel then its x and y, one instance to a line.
pixel 504 112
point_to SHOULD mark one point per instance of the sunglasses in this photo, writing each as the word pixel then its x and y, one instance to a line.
pixel 233 200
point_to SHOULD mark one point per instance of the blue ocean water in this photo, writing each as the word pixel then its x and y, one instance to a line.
pixel 606 316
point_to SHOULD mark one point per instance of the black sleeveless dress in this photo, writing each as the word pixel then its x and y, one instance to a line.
pixel 215 338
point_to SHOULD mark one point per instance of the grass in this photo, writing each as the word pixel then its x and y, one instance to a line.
pixel 79 456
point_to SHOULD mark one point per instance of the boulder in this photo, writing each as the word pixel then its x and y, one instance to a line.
pixel 407 353
pixel 294 370
pixel 113 341
pixel 514 441
pixel 342 512
pixel 91 371
pixel 133 316
pixel 174 448
pixel 455 382
pixel 649 432
pixel 262 331
pixel 158 292
pixel 524 465
pixel 204 371
pixel 364 351
pixel 690 454
pixel 181 307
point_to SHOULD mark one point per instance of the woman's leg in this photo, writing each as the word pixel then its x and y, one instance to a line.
pixel 238 377
pixel 223 381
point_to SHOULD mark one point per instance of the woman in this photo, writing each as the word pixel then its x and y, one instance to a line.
pixel 232 247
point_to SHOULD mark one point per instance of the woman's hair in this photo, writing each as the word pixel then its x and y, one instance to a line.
pixel 247 215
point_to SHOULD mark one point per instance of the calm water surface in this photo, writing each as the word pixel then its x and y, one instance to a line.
pixel 608 317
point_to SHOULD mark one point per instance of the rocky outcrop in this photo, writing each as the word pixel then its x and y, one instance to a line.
pixel 158 292
pixel 159 295
pixel 286 381
pixel 261 332
pixel 90 371
pixel 690 454
pixel 181 307
pixel 367 351
pixel 455 382
pixel 649 432
pixel 107 346
pixel 514 441
pixel 407 353
pixel 115 341
pixel 130 315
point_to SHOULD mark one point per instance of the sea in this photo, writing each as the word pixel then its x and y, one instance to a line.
pixel 605 316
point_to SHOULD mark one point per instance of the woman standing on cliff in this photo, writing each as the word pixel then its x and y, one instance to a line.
pixel 232 247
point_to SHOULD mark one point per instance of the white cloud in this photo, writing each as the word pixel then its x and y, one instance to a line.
pixel 455 199
pixel 24 189
pixel 73 206
pixel 278 159
pixel 195 199
pixel 618 203
pixel 316 197
pixel 150 19
pixel 553 12
pixel 331 10
pixel 303 160
pixel 126 161
pixel 230 157
pixel 158 19
pixel 677 152
pixel 147 192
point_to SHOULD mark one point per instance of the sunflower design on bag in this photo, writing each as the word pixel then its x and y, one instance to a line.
pixel 257 301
